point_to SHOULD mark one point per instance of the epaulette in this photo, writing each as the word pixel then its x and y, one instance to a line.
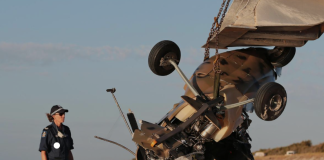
pixel 48 127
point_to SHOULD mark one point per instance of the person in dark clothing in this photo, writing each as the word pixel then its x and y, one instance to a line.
pixel 56 142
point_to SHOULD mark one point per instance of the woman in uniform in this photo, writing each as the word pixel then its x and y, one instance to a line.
pixel 56 141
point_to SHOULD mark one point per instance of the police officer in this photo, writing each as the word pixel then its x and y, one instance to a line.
pixel 56 141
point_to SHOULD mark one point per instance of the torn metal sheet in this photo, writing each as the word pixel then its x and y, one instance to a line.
pixel 285 23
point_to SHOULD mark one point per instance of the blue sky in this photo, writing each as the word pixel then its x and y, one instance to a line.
pixel 70 52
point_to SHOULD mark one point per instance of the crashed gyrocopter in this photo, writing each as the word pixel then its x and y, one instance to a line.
pixel 211 120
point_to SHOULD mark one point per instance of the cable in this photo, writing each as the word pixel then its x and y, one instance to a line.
pixel 116 144
pixel 111 129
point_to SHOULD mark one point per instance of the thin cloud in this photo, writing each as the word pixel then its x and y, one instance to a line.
pixel 143 50
pixel 17 56
pixel 21 56
pixel 12 68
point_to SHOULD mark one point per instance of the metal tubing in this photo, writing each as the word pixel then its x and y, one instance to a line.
pixel 116 144
pixel 184 78
pixel 122 114
pixel 230 106
pixel 187 123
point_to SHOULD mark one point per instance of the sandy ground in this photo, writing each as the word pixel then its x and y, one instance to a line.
pixel 308 156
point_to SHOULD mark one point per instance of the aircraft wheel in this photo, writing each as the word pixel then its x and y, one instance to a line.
pixel 270 101
pixel 282 56
pixel 163 50
pixel 139 155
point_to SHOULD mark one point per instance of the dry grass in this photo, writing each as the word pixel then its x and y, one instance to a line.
pixel 302 147
pixel 304 156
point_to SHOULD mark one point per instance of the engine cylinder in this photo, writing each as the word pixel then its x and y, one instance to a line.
pixel 208 131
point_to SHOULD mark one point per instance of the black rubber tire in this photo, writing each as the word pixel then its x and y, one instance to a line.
pixel 263 107
pixel 160 50
pixel 139 155
pixel 282 60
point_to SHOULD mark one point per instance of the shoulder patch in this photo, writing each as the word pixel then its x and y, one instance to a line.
pixel 44 134
pixel 46 128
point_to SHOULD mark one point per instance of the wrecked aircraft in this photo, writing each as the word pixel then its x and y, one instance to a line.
pixel 211 120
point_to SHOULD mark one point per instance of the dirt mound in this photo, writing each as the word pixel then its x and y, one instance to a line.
pixel 306 156
pixel 302 147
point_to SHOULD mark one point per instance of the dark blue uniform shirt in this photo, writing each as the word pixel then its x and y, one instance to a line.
pixel 49 138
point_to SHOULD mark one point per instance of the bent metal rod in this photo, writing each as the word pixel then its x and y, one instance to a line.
pixel 184 78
